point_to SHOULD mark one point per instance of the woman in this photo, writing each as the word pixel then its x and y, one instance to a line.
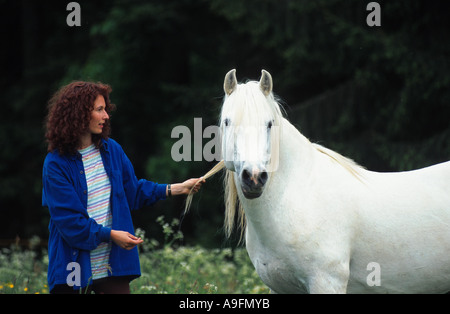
pixel 89 187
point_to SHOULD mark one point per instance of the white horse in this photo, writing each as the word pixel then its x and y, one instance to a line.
pixel 316 222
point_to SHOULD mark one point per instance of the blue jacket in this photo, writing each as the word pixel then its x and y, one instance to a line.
pixel 72 233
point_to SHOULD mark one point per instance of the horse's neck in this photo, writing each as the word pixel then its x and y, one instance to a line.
pixel 296 153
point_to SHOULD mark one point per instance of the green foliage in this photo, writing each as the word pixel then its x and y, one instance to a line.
pixel 166 267
pixel 23 271
pixel 171 268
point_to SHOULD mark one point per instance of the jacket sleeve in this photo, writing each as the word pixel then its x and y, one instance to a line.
pixel 67 211
pixel 141 192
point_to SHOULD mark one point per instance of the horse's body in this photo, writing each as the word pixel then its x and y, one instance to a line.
pixel 317 226
pixel 315 221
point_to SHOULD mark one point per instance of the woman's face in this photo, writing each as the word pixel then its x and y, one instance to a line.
pixel 98 116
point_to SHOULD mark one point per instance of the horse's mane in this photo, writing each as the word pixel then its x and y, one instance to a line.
pixel 347 163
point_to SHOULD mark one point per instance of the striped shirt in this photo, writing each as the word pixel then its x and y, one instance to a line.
pixel 98 206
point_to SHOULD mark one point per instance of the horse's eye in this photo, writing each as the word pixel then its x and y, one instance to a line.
pixel 226 122
pixel 269 125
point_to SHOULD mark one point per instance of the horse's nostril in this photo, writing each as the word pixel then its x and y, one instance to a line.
pixel 246 176
pixel 263 177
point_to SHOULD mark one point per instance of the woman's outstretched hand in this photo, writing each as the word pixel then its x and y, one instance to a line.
pixel 125 239
pixel 185 188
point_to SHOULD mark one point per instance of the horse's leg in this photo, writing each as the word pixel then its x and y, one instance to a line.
pixel 326 281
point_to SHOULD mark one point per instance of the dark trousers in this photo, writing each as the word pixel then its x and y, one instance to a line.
pixel 109 285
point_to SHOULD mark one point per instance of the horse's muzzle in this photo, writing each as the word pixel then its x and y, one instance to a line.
pixel 253 182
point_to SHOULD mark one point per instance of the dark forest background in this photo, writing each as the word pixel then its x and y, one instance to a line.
pixel 379 95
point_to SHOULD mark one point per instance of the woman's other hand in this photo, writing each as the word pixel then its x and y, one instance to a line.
pixel 125 239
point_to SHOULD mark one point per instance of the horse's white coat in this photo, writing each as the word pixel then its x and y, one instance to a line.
pixel 317 225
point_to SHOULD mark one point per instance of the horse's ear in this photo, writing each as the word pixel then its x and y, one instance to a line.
pixel 265 83
pixel 230 83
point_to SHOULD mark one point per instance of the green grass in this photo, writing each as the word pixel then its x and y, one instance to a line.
pixel 166 268
pixel 23 271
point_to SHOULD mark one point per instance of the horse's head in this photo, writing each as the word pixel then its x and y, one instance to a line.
pixel 250 123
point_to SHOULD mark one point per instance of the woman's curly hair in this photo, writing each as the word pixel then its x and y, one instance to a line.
pixel 69 114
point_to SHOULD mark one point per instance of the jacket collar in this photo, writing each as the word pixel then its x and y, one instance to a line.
pixel 103 146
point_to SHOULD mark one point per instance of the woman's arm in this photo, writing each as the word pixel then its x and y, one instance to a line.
pixel 185 187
